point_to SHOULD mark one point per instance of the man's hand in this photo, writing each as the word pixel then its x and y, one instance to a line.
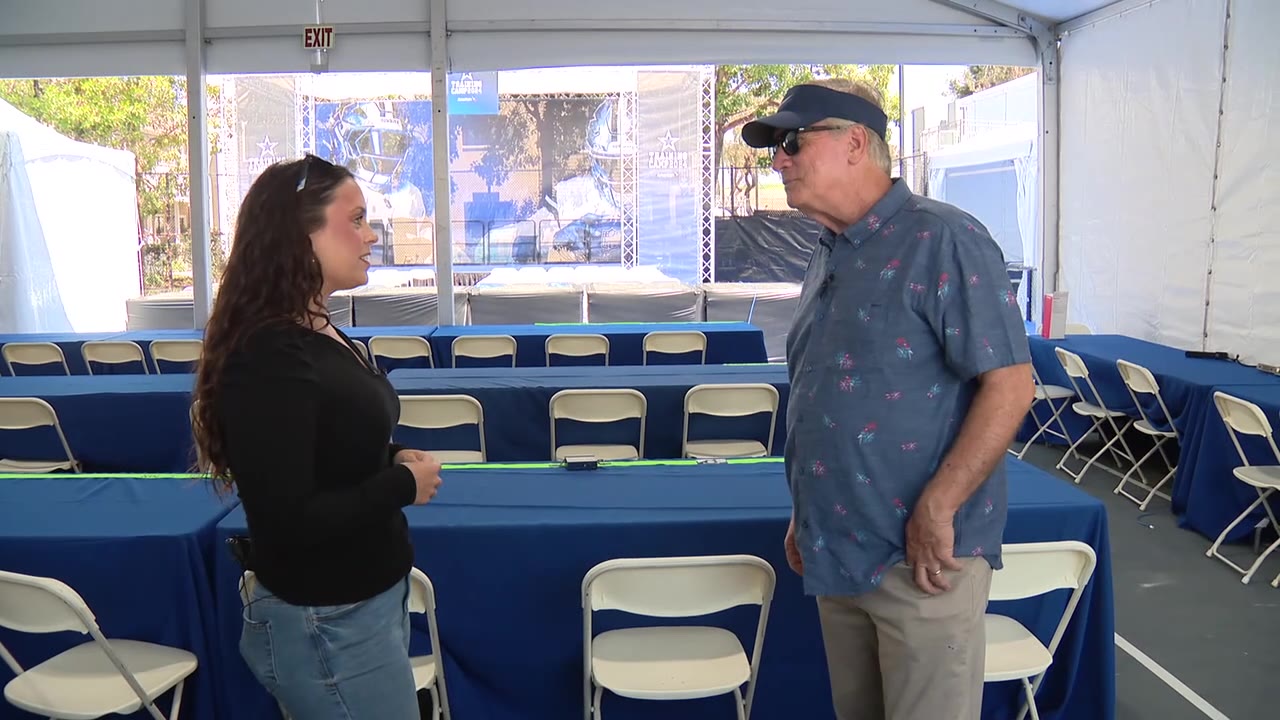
pixel 407 455
pixel 793 552
pixel 930 547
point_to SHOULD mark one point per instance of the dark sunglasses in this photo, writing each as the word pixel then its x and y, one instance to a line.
pixel 789 143
pixel 306 169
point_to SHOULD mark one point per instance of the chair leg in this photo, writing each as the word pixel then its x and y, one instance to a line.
pixel 177 700
pixel 1142 502
pixel 1071 450
pixel 1213 549
pixel 739 704
pixel 595 706
pixel 1095 457
pixel 1031 700
pixel 435 702
pixel 1276 583
pixel 1039 430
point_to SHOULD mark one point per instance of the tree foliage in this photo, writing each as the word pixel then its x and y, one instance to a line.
pixel 977 78
pixel 745 92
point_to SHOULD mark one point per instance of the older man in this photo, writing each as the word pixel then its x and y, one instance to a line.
pixel 910 374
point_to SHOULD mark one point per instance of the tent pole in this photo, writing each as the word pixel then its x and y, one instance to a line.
pixel 443 245
pixel 198 164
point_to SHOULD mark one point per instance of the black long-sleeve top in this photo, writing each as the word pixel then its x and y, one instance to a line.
pixel 307 426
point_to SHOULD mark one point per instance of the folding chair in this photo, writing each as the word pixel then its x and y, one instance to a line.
pixel 1140 381
pixel 26 414
pixel 1242 416
pixel 483 347
pixel 585 345
pixel 673 663
pixel 598 406
pixel 113 352
pixel 1047 394
pixel 1032 569
pixel 175 351
pixel 428 670
pixel 729 400
pixel 91 680
pixel 1099 414
pixel 33 353
pixel 400 347
pixel 675 342
pixel 435 412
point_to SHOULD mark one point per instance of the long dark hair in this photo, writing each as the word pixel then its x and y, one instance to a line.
pixel 272 276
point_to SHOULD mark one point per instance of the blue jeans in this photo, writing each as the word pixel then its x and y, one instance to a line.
pixel 340 662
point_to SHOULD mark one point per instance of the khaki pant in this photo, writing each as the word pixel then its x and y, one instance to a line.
pixel 898 653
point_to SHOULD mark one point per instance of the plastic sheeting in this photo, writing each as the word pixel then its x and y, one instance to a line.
pixel 69 234
pixel 1139 109
pixel 650 302
pixel 380 307
pixel 1244 297
pixel 769 306
pixel 176 311
pixel 764 247
pixel 521 304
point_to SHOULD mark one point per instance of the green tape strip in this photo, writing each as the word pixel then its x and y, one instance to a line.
pixel 633 322
pixel 447 466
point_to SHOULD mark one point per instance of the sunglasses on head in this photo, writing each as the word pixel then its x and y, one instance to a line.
pixel 306 169
pixel 789 142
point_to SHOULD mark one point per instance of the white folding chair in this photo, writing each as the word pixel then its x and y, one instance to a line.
pixel 1031 569
pixel 94 679
pixel 598 406
pixel 675 342
pixel 1047 394
pixel 1100 414
pixel 175 351
pixel 729 400
pixel 428 670
pixel 1077 329
pixel 1140 381
pixel 400 347
pixel 435 412
pixel 483 347
pixel 665 662
pixel 1244 417
pixel 113 352
pixel 26 414
pixel 33 353
pixel 584 345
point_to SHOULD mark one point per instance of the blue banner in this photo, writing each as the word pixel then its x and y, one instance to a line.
pixel 473 93
pixel 670 171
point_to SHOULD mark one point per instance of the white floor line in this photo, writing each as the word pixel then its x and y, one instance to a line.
pixel 1168 679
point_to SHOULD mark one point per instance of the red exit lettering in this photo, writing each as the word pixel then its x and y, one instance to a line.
pixel 318 37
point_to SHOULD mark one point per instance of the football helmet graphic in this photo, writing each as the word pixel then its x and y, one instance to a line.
pixel 607 146
pixel 373 141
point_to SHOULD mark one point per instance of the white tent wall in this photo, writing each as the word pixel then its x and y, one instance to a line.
pixel 29 300
pixel 1244 295
pixel 1139 111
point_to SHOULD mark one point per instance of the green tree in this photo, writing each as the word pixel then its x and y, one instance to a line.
pixel 977 78
pixel 745 92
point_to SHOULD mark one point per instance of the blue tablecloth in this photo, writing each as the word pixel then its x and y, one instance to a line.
pixel 517 421
pixel 1211 496
pixel 136 549
pixel 507 550
pixel 71 342
pixel 113 423
pixel 727 342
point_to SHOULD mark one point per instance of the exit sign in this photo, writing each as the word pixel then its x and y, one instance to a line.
pixel 317 37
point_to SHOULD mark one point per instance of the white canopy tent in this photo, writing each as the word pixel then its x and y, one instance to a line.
pixel 68 230
pixel 1162 168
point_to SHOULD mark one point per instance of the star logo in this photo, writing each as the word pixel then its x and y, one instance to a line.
pixel 668 142
pixel 266 148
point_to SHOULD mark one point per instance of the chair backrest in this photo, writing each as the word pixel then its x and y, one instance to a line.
pixel 34 604
pixel 24 413
pixel 1244 417
pixel 484 346
pixel 33 353
pixel 675 342
pixel 731 399
pixel 400 347
pixel 112 352
pixel 603 405
pixel 178 351
pixel 678 586
pixel 1076 370
pixel 422 594
pixel 432 412
pixel 1032 569
pixel 583 345
pixel 1077 329
pixel 1140 381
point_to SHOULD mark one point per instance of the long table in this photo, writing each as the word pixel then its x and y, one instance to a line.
pixel 727 342
pixel 1205 494
pixel 516 400
pixel 507 548
pixel 138 550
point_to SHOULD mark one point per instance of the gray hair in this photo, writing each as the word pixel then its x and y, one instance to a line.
pixel 876 145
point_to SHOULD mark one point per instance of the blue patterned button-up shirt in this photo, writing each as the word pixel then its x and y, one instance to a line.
pixel 898 317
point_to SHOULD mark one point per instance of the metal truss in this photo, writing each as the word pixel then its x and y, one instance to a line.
pixel 628 202
pixel 706 210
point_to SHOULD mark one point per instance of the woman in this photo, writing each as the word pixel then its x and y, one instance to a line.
pixel 290 415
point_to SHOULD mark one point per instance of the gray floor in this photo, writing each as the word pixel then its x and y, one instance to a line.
pixel 1189 613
